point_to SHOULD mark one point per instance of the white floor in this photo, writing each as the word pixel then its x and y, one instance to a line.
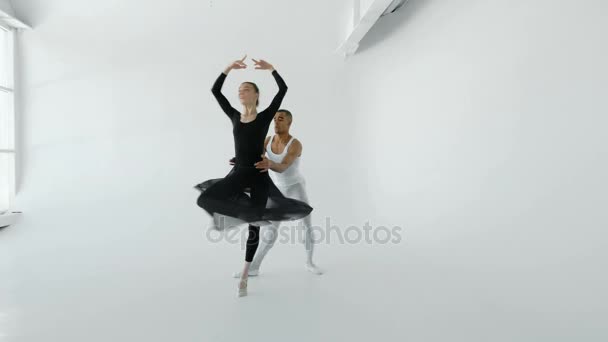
pixel 176 286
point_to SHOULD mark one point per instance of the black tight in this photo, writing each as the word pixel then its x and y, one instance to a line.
pixel 253 239
pixel 219 198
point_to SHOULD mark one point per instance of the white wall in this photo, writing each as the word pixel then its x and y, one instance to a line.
pixel 482 130
pixel 117 107
pixel 6 6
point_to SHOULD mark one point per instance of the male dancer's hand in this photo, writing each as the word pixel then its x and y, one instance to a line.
pixel 232 161
pixel 264 164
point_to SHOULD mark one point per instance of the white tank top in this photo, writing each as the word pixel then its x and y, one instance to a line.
pixel 292 174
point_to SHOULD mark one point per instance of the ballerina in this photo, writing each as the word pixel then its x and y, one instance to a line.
pixel 225 196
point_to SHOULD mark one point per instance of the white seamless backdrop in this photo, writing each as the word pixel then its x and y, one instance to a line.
pixel 476 126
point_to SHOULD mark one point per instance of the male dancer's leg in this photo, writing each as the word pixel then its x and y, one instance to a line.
pixel 269 237
pixel 298 191
pixel 270 234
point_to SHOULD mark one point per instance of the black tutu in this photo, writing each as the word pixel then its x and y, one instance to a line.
pixel 229 196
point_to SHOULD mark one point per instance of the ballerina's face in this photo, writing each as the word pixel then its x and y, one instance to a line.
pixel 281 122
pixel 248 94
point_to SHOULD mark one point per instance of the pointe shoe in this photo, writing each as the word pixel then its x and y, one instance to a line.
pixel 312 268
pixel 252 273
pixel 242 288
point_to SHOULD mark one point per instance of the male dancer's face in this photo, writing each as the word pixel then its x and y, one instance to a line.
pixel 281 123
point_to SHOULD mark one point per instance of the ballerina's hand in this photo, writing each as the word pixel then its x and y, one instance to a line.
pixel 264 164
pixel 239 63
pixel 262 64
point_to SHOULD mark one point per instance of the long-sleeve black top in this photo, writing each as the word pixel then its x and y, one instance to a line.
pixel 249 137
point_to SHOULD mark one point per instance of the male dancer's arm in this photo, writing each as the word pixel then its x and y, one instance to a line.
pixel 294 151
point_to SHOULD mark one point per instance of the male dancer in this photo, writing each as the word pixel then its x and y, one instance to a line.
pixel 282 158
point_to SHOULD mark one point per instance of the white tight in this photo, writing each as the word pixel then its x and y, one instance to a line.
pixel 269 234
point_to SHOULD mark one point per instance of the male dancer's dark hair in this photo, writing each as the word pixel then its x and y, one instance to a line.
pixel 288 113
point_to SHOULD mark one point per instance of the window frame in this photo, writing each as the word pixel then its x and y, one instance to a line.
pixel 9 88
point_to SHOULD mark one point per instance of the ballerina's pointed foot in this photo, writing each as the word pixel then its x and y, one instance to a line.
pixel 314 269
pixel 242 288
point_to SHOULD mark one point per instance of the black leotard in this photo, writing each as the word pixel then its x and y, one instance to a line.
pixel 249 137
